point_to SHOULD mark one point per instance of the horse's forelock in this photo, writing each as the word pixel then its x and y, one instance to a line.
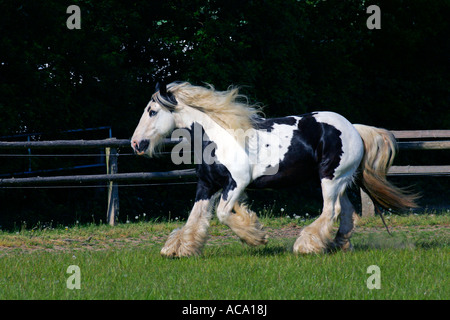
pixel 166 100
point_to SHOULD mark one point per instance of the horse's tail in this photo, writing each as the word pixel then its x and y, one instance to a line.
pixel 380 148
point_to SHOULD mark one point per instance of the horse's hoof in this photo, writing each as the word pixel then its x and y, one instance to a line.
pixel 308 243
pixel 176 248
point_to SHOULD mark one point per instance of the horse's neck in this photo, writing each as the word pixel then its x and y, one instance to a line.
pixel 189 118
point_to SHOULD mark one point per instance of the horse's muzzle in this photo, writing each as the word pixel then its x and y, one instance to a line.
pixel 140 147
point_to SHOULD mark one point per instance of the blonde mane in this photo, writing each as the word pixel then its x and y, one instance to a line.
pixel 226 108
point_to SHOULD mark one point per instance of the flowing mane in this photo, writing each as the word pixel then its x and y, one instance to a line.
pixel 228 108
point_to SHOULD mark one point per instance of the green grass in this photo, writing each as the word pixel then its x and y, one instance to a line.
pixel 123 262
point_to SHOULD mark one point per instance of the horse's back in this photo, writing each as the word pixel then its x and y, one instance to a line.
pixel 314 145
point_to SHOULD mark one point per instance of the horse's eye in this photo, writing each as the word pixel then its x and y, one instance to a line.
pixel 152 113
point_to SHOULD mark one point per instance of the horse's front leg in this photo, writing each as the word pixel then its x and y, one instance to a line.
pixel 190 239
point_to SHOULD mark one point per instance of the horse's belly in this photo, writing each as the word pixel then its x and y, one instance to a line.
pixel 297 166
pixel 287 177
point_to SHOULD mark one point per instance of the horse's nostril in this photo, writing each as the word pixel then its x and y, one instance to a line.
pixel 135 145
pixel 144 145
pixel 140 147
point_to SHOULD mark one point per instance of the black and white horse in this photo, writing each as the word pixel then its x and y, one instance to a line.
pixel 239 149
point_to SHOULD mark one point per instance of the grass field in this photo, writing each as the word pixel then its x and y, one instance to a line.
pixel 123 262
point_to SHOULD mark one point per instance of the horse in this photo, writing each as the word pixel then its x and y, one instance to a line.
pixel 240 149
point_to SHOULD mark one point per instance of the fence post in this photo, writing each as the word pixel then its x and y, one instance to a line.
pixel 113 191
pixel 367 207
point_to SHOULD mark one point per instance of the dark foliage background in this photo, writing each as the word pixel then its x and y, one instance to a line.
pixel 291 56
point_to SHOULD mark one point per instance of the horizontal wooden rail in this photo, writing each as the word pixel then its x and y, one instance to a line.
pixel 186 173
pixel 421 134
pixel 116 143
pixel 106 143
pixel 424 145
pixel 119 143
pixel 419 171
pixel 117 177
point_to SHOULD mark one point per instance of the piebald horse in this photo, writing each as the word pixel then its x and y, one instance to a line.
pixel 240 149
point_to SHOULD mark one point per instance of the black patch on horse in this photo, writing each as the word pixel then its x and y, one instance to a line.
pixel 314 153
pixel 326 140
pixel 212 175
pixel 267 124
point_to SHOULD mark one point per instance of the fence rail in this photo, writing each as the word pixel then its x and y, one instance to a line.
pixel 106 143
pixel 421 134
pixel 119 143
pixel 112 177
pixel 97 178
pixel 419 171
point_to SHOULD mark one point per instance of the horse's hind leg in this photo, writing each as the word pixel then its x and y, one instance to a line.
pixel 346 227
pixel 316 237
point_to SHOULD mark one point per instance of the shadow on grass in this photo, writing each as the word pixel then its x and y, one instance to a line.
pixel 400 240
pixel 361 242
pixel 270 250
pixel 273 248
pixel 240 249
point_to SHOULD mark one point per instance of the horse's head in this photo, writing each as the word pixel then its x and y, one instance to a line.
pixel 156 122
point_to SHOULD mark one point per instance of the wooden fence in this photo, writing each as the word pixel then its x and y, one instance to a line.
pixel 112 177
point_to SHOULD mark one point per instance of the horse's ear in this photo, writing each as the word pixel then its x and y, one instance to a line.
pixel 162 88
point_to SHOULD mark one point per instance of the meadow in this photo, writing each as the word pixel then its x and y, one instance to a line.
pixel 123 262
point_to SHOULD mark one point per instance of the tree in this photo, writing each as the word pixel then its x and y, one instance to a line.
pixel 291 56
